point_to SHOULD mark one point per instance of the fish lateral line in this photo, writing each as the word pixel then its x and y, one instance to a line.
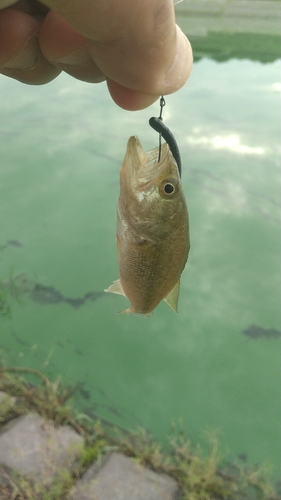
pixel 159 126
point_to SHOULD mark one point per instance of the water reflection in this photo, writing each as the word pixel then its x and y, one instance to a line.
pixel 227 29
pixel 64 143
pixel 230 142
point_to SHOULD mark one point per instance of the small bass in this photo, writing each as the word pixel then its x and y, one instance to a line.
pixel 152 229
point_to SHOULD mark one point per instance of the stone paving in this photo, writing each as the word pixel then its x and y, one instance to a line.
pixel 120 478
pixel 38 449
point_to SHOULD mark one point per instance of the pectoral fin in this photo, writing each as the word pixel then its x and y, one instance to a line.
pixel 116 287
pixel 173 297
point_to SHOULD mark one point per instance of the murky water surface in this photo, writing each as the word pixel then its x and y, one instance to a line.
pixel 217 364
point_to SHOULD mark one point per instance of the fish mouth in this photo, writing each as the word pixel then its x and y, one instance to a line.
pixel 140 167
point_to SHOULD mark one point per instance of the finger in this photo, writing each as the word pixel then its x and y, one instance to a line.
pixel 128 99
pixel 20 55
pixel 162 68
pixel 6 3
pixel 134 43
pixel 64 47
pixel 32 7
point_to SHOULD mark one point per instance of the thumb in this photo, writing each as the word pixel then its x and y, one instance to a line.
pixel 136 44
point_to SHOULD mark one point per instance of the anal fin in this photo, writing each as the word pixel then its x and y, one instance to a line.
pixel 173 296
pixel 132 313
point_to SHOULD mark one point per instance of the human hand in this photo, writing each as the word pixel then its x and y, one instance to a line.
pixel 134 45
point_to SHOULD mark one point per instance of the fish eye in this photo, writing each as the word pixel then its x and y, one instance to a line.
pixel 168 188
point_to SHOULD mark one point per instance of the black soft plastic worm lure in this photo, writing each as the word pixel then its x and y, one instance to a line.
pixel 158 125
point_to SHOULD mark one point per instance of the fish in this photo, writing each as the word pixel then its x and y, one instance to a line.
pixel 152 229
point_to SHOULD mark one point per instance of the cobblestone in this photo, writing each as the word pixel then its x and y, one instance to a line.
pixel 38 450
pixel 35 447
pixel 120 478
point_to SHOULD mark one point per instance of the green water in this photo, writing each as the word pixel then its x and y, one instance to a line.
pixel 61 148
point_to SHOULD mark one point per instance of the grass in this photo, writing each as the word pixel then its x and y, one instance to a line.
pixel 225 46
pixel 200 476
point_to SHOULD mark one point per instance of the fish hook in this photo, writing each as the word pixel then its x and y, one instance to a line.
pixel 158 125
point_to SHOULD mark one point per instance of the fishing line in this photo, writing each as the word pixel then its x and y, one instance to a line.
pixel 158 125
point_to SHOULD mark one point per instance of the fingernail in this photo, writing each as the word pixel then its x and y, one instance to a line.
pixel 27 57
pixel 180 70
pixel 78 58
